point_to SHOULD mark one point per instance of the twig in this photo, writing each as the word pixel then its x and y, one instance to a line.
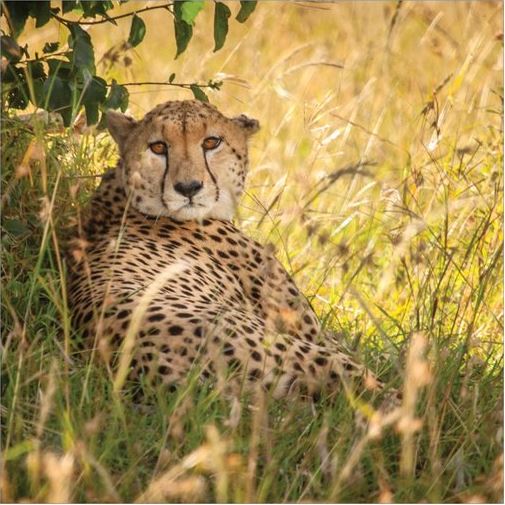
pixel 394 19
pixel 109 19
pixel 366 130
pixel 212 85
pixel 45 57
pixel 334 176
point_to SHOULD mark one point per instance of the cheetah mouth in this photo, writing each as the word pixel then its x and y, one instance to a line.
pixel 176 206
pixel 192 205
pixel 187 208
pixel 187 211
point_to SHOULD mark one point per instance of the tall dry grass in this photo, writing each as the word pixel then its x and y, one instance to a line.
pixel 377 176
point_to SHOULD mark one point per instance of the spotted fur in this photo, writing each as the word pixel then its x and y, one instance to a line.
pixel 230 303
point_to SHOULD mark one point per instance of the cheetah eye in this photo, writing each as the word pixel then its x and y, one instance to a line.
pixel 158 148
pixel 211 143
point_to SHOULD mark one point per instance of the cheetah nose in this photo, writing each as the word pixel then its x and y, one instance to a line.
pixel 188 189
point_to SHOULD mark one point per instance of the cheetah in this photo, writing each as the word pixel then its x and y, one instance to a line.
pixel 158 248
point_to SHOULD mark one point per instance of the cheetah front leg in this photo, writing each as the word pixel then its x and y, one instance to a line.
pixel 284 363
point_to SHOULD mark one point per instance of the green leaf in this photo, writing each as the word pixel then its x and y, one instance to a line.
pixel 93 96
pixel 18 14
pixel 198 93
pixel 91 109
pixel 171 78
pixel 246 9
pixel 96 7
pixel 183 34
pixel 117 98
pixel 50 47
pixel 35 70
pixel 183 30
pixel 137 31
pixel 190 9
pixel 58 97
pixel 69 5
pixel 41 11
pixel 82 56
pixel 10 48
pixel 88 8
pixel 221 15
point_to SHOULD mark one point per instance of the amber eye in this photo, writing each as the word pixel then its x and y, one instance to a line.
pixel 211 143
pixel 158 147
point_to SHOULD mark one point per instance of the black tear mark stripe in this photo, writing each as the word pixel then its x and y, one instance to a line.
pixel 212 176
pixel 165 172
pixel 164 178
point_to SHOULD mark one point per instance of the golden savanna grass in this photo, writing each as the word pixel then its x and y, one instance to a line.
pixel 377 177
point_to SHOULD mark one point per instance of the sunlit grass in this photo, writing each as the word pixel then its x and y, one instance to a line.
pixel 377 176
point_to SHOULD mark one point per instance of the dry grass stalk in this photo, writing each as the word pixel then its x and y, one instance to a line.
pixel 87 458
pixel 417 376
pixel 46 401
pixel 128 345
pixel 258 407
pixel 415 246
pixel 212 457
pixel 59 471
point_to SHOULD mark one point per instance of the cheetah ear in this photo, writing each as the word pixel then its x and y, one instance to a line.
pixel 247 124
pixel 119 126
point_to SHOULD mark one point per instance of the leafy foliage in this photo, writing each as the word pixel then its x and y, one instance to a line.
pixel 198 93
pixel 183 30
pixel 66 81
pixel 221 15
pixel 246 9
pixel 137 31
pixel 189 10
pixel 82 56
pixel 117 98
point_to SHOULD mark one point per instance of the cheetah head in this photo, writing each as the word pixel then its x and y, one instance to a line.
pixel 184 159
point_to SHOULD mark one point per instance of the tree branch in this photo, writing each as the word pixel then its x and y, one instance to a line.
pixel 113 18
pixel 45 57
pixel 212 85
